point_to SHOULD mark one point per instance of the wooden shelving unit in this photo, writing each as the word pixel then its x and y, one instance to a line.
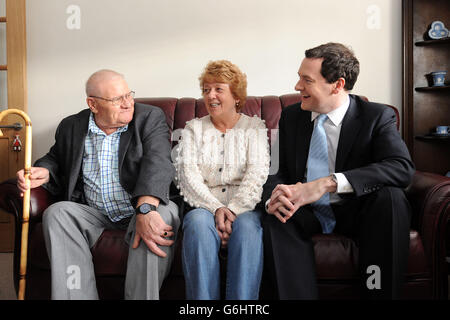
pixel 424 106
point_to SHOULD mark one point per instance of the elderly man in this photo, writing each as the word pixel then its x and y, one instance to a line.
pixel 111 167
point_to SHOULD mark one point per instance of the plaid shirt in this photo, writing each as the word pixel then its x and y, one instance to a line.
pixel 102 186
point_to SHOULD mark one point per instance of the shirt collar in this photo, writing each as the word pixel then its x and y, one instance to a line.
pixel 95 129
pixel 337 115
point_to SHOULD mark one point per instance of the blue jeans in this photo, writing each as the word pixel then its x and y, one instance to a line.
pixel 200 256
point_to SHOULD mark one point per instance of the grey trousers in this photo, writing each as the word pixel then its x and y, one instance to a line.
pixel 71 230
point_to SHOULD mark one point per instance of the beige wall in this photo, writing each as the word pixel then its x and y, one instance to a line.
pixel 162 45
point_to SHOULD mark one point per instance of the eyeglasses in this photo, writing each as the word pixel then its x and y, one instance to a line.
pixel 117 101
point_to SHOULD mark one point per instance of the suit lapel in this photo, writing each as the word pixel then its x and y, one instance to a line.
pixel 349 131
pixel 304 131
pixel 78 138
pixel 125 139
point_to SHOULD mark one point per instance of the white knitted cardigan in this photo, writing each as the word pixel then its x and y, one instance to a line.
pixel 216 169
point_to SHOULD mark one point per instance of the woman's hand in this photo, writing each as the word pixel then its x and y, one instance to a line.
pixel 224 220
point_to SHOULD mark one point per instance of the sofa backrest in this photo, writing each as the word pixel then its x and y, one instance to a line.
pixel 268 108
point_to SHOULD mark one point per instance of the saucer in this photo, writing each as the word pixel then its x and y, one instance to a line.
pixel 440 134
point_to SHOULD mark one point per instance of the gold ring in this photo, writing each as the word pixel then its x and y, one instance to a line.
pixel 165 233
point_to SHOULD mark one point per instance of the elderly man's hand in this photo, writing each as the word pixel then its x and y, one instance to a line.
pixel 152 229
pixel 38 177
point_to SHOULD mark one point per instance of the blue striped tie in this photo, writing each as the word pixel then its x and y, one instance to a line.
pixel 318 168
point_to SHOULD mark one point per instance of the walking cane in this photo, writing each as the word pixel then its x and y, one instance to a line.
pixel 26 198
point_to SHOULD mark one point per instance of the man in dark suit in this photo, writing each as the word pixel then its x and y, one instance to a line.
pixel 342 169
pixel 110 167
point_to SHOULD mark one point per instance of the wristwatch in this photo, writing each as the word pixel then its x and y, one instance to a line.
pixel 145 208
pixel 334 178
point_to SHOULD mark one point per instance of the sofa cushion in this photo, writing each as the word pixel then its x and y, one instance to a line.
pixel 336 255
pixel 110 253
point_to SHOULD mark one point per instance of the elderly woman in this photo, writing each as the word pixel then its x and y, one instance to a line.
pixel 222 164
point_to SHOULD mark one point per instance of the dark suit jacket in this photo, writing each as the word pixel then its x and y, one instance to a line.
pixel 145 167
pixel 370 152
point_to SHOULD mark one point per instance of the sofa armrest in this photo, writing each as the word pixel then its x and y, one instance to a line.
pixel 12 202
pixel 429 196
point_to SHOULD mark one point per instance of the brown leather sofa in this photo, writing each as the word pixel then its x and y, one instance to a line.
pixel 336 256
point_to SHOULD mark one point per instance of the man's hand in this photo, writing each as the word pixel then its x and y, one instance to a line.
pixel 152 229
pixel 38 177
pixel 287 199
pixel 224 219
pixel 280 204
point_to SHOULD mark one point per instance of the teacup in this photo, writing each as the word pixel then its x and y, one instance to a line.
pixel 442 129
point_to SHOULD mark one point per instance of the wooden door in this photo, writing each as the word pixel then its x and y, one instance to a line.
pixel 10 161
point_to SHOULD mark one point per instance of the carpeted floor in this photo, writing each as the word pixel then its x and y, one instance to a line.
pixel 6 283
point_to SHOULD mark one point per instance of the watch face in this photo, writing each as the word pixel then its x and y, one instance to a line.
pixel 144 208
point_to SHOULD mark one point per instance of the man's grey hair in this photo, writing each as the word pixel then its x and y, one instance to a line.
pixel 91 83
